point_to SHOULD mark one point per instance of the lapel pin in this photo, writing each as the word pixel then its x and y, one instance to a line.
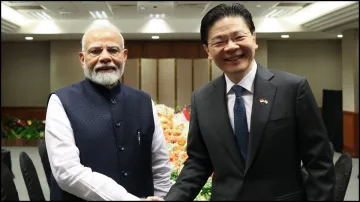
pixel 263 101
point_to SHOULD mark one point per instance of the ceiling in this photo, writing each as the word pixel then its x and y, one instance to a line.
pixel 176 20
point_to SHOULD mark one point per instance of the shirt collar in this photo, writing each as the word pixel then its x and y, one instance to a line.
pixel 247 82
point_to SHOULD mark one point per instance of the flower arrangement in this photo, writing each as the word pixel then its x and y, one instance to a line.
pixel 175 124
pixel 12 127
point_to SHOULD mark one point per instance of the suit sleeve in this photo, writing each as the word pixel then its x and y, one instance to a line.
pixel 197 167
pixel 315 148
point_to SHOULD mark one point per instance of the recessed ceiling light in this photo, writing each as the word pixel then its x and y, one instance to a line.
pixel 40 15
pixel 285 36
pixel 157 15
pixel 142 7
pixel 258 6
pixel 98 14
pixel 340 36
pixel 104 14
pixel 29 38
pixel 155 37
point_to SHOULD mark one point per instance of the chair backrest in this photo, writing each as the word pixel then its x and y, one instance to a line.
pixel 8 188
pixel 6 159
pixel 332 149
pixel 31 178
pixel 45 160
pixel 343 168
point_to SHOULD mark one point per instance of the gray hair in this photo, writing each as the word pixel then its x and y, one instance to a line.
pixel 101 26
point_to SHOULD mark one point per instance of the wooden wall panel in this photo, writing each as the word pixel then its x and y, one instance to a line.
pixel 24 113
pixel 165 49
pixel 131 74
pixel 186 49
pixel 161 49
pixel 135 49
pixel 149 77
pixel 215 71
pixel 351 133
pixel 202 52
pixel 201 72
pixel 183 81
pixel 166 82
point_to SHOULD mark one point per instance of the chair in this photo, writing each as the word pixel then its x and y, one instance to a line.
pixel 45 160
pixel 8 188
pixel 31 178
pixel 6 159
pixel 343 168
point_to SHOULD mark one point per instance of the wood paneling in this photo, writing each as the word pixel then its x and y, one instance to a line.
pixel 165 49
pixel 187 49
pixel 161 49
pixel 215 71
pixel 351 133
pixel 149 77
pixel 25 113
pixel 166 81
pixel 131 74
pixel 201 72
pixel 135 49
pixel 183 81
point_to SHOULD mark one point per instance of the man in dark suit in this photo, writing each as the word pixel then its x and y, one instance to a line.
pixel 252 127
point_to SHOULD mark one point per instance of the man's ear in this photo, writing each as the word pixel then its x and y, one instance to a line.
pixel 82 59
pixel 254 38
pixel 207 51
pixel 125 54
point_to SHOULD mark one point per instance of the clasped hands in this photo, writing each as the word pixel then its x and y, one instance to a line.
pixel 153 198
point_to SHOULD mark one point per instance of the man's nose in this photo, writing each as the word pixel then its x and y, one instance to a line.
pixel 105 57
pixel 230 45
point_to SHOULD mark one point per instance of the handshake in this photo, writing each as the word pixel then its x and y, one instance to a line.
pixel 152 198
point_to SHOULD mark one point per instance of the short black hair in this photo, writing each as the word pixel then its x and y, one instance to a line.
pixel 221 11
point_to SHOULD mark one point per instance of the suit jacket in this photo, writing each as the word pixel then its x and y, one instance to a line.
pixel 285 131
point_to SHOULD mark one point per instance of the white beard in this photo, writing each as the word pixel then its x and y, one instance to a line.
pixel 104 78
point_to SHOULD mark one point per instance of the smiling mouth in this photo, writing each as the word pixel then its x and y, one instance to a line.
pixel 105 69
pixel 235 58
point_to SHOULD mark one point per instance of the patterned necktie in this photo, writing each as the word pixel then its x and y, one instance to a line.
pixel 240 122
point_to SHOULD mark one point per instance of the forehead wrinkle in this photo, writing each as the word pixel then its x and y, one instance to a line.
pixel 101 34
pixel 107 46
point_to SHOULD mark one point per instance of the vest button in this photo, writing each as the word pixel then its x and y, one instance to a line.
pixel 118 124
pixel 124 173
pixel 113 101
pixel 121 148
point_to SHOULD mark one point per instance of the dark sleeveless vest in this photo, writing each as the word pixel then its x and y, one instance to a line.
pixel 113 130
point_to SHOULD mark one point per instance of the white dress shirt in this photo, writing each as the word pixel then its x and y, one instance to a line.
pixel 247 83
pixel 81 181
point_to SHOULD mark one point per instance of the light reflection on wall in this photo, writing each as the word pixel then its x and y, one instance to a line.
pixel 13 16
pixel 47 27
pixel 269 25
pixel 156 26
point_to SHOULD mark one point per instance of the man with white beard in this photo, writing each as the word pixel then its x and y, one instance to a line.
pixel 104 139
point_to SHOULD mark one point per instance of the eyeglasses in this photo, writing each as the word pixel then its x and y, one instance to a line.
pixel 220 42
pixel 112 50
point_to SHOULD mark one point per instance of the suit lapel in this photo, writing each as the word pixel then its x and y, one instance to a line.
pixel 218 103
pixel 264 95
